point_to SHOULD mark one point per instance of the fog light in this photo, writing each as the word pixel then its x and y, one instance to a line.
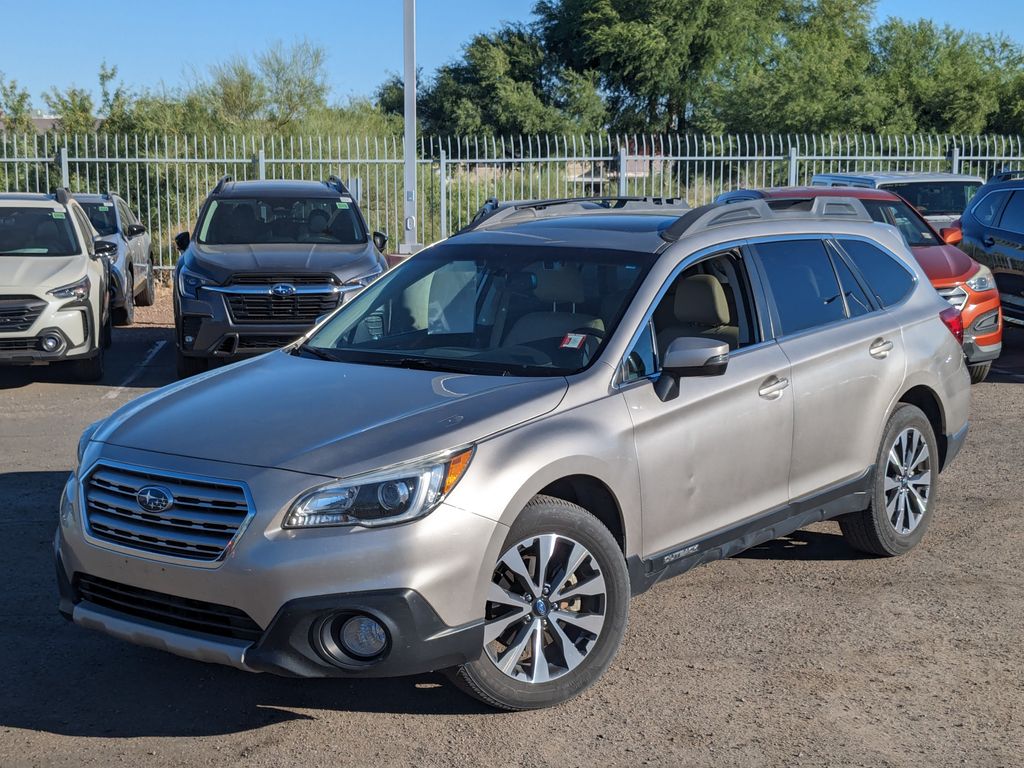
pixel 363 637
pixel 51 343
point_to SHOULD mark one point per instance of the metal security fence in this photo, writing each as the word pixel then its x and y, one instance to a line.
pixel 166 178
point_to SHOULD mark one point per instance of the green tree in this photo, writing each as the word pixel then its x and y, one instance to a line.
pixel 15 107
pixel 73 108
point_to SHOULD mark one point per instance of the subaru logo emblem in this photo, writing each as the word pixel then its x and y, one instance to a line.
pixel 153 498
pixel 283 289
pixel 540 608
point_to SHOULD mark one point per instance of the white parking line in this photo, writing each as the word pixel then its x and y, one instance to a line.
pixel 134 374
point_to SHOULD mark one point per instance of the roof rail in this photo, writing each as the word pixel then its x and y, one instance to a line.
pixel 722 214
pixel 338 184
pixel 221 182
pixel 494 211
pixel 1007 174
pixel 62 195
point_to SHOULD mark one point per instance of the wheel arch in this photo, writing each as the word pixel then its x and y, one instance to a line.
pixel 595 497
pixel 927 399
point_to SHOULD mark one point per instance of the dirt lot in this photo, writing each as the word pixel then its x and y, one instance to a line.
pixel 799 652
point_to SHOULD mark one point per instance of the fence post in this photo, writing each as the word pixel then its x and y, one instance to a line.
pixel 794 167
pixel 444 195
pixel 65 174
pixel 261 165
pixel 623 163
pixel 954 159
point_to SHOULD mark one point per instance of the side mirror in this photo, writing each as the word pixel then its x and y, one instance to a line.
pixel 690 356
pixel 101 248
pixel 181 241
pixel 951 235
pixel 134 230
pixel 380 240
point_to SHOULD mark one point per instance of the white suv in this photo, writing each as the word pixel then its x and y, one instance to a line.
pixel 54 284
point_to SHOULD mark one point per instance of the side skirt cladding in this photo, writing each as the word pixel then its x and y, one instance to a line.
pixel 834 501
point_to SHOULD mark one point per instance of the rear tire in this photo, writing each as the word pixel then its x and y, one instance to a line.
pixel 89 369
pixel 979 372
pixel 550 631
pixel 904 495
pixel 190 366
pixel 148 294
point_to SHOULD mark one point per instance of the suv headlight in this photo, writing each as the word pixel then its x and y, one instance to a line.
pixel 386 497
pixel 369 277
pixel 982 279
pixel 190 282
pixel 83 441
pixel 79 290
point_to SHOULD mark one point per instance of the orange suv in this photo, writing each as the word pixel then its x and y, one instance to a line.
pixel 959 279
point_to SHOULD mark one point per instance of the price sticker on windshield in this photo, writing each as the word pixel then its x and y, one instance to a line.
pixel 573 341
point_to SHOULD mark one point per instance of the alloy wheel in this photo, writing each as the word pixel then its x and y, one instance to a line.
pixel 908 480
pixel 545 608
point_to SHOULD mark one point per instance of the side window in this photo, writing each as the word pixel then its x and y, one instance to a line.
pixel 803 284
pixel 1013 215
pixel 857 302
pixel 889 280
pixel 125 215
pixel 642 361
pixel 987 208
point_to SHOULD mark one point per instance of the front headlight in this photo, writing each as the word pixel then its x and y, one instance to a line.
pixel 982 279
pixel 83 441
pixel 394 495
pixel 369 277
pixel 79 290
pixel 189 283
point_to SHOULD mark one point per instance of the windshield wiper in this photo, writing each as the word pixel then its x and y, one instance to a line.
pixel 315 352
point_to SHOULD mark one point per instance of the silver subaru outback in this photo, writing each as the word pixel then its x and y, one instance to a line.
pixel 475 463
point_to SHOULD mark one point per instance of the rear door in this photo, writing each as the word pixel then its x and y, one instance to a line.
pixel 846 356
pixel 1005 246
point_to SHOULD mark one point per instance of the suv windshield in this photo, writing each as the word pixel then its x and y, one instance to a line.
pixel 102 216
pixel 36 232
pixel 500 310
pixel 936 198
pixel 256 220
pixel 915 230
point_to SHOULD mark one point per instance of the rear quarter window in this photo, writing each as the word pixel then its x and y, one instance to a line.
pixel 1012 219
pixel 889 280
pixel 988 207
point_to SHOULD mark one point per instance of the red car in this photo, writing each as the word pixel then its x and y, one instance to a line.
pixel 963 282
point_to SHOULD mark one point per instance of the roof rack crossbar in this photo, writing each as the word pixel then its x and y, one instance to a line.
pixel 719 214
pixel 492 211
pixel 226 179
pixel 338 184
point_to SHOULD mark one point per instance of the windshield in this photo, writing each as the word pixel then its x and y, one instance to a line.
pixel 936 198
pixel 915 230
pixel 499 310
pixel 256 220
pixel 102 217
pixel 36 232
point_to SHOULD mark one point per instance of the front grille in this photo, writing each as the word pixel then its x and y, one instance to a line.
pixel 180 612
pixel 304 279
pixel 17 313
pixel 200 523
pixel 297 308
pixel 264 342
pixel 19 345
pixel 956 296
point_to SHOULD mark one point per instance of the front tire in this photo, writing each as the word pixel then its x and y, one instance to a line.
pixel 190 366
pixel 89 369
pixel 126 315
pixel 979 372
pixel 904 495
pixel 148 294
pixel 556 610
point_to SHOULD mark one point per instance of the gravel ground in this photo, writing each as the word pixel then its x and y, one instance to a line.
pixel 797 653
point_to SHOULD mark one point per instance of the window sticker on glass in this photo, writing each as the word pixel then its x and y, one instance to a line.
pixel 104 208
pixel 58 214
pixel 451 307
pixel 573 341
pixel 342 206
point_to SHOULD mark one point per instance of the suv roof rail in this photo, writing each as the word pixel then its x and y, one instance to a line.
pixel 1007 174
pixel 226 179
pixel 62 195
pixel 721 214
pixel 338 184
pixel 494 211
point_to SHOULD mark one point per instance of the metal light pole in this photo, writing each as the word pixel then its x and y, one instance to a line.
pixel 409 239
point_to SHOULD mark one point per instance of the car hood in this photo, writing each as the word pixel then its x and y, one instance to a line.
pixel 38 273
pixel 345 261
pixel 323 417
pixel 944 262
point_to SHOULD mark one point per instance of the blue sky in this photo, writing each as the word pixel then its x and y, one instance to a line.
pixel 168 42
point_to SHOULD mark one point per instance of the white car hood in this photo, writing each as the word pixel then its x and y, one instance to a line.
pixel 38 274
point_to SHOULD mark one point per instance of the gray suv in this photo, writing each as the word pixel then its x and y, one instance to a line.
pixel 267 259
pixel 476 462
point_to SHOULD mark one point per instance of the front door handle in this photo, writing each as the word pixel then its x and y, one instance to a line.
pixel 771 388
pixel 988 241
pixel 880 348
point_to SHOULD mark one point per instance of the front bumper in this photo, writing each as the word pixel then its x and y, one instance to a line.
pixel 72 322
pixel 425 581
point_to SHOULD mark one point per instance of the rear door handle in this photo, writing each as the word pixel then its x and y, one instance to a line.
pixel 988 241
pixel 771 388
pixel 880 348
